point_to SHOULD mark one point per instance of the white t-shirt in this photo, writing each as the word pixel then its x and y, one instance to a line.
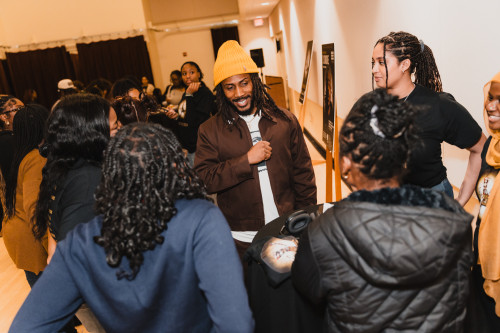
pixel 270 209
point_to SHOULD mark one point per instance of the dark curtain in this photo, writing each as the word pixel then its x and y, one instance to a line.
pixel 219 36
pixel 114 59
pixel 40 70
pixel 76 66
pixel 5 83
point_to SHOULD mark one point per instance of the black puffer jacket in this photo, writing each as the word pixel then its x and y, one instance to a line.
pixel 391 260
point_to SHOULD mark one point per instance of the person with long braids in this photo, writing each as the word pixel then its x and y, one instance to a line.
pixel 252 153
pixel 389 257
pixel 395 58
pixel 78 131
pixel 196 106
pixel 21 193
pixel 159 258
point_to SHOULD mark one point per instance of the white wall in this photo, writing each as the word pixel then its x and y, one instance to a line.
pixel 461 33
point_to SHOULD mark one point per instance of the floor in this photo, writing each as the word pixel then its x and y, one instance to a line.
pixel 14 288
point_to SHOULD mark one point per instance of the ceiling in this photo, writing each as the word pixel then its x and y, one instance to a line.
pixel 250 9
pixel 170 12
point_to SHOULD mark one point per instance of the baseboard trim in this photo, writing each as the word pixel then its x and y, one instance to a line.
pixel 317 145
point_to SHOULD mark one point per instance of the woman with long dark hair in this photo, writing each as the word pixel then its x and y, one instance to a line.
pixel 78 131
pixel 389 257
pixel 398 56
pixel 159 258
pixel 21 193
pixel 77 134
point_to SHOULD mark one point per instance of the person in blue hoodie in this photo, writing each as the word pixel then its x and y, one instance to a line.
pixel 159 258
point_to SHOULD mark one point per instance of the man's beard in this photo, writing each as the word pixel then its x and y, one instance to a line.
pixel 243 113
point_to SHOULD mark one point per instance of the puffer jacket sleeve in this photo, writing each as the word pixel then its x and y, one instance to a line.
pixel 306 275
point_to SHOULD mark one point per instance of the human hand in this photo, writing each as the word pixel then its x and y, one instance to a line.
pixel 193 87
pixel 172 114
pixel 259 152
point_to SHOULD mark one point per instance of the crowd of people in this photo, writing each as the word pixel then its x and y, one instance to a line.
pixel 108 206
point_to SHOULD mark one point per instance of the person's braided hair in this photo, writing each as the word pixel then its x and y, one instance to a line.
pixel 145 172
pixel 260 97
pixel 379 134
pixel 404 45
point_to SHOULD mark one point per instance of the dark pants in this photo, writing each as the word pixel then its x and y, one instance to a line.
pixel 481 317
pixel 32 277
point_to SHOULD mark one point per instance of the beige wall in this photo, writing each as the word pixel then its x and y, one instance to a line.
pixel 35 21
pixel 461 34
pixel 198 46
pixel 259 38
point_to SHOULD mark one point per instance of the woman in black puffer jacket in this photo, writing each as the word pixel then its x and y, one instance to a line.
pixel 388 258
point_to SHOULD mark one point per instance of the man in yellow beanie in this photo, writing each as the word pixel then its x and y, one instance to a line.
pixel 252 153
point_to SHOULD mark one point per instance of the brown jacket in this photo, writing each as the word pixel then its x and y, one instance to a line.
pixel 221 162
pixel 27 253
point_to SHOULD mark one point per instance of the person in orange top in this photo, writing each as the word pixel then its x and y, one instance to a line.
pixel 21 193
pixel 484 309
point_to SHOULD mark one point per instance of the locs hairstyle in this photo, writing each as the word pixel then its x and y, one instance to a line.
pixel 260 98
pixel 145 172
pixel 78 128
pixel 404 45
pixel 383 155
pixel 28 127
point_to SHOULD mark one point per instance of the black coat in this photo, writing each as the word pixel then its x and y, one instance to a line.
pixel 388 260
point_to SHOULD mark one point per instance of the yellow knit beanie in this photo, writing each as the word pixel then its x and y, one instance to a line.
pixel 232 60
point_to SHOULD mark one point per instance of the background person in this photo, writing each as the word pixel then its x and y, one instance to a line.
pixel 196 106
pixel 66 87
pixel 485 307
pixel 174 91
pixel 387 257
pixel 395 58
pixel 147 88
pixel 21 193
pixel 162 260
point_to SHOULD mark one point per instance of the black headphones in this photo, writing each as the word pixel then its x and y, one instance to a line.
pixel 298 221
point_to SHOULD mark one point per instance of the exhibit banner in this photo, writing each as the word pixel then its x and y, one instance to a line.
pixel 306 71
pixel 328 64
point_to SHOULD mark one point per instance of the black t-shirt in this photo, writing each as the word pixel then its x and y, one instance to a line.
pixel 442 119
pixel 73 202
pixel 6 152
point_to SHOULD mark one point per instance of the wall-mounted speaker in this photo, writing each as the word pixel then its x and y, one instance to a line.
pixel 258 57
